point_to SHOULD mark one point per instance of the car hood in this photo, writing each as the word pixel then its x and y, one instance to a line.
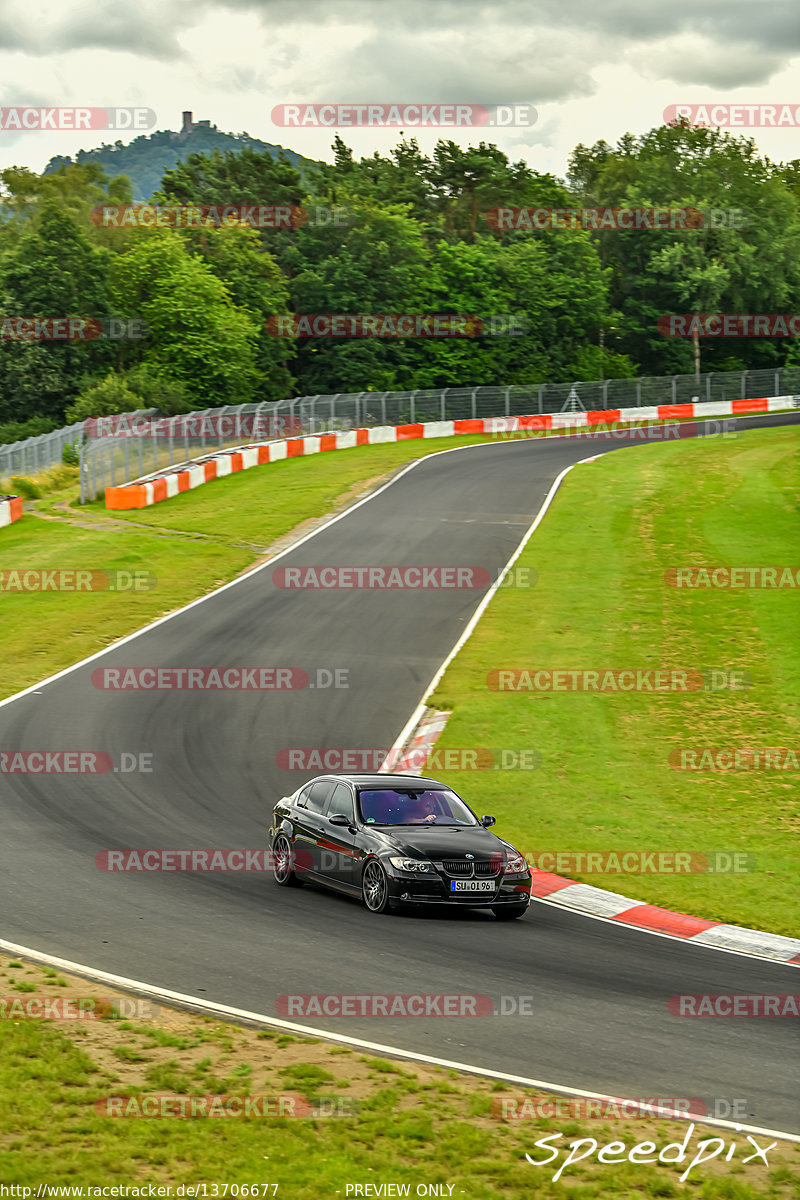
pixel 443 841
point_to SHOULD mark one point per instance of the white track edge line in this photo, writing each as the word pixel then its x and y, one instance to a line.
pixel 224 1010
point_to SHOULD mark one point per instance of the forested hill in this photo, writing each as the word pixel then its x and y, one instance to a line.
pixel 146 158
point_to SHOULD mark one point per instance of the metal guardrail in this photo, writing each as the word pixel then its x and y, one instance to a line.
pixel 116 450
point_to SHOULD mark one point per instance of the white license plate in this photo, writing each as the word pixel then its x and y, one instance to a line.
pixel 471 885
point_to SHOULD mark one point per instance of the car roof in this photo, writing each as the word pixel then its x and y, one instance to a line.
pixel 384 781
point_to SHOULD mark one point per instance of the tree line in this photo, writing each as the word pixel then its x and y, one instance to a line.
pixel 419 234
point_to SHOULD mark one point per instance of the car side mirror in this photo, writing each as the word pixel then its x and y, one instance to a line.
pixel 339 819
pixel 487 821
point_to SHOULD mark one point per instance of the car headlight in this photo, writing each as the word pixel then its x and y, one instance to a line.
pixel 411 864
pixel 515 863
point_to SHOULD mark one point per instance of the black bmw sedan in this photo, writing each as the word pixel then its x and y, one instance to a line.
pixel 396 840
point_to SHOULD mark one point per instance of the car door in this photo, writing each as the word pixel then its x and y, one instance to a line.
pixel 310 822
pixel 337 849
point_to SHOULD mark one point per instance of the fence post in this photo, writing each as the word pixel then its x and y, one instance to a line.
pixel 605 392
pixel 708 385
pixel 443 398
pixel 674 389
pixel 413 399
pixel 638 393
pixel 541 397
pixel 474 403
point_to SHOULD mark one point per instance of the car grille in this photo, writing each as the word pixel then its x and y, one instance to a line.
pixel 461 868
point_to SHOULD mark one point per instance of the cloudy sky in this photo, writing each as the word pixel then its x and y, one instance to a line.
pixel 592 68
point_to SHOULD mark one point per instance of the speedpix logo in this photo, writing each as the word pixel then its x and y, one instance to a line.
pixel 645 1152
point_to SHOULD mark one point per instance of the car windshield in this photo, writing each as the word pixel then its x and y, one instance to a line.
pixel 413 806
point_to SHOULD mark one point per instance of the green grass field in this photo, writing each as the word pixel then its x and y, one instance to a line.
pixel 605 783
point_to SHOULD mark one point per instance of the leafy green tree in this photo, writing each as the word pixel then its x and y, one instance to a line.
pixel 111 395
pixel 51 271
pixel 196 334
pixel 256 286
pixel 377 264
pixel 73 190
pixel 744 258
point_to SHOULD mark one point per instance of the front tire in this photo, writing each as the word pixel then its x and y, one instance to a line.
pixel 282 867
pixel 510 912
pixel 375 887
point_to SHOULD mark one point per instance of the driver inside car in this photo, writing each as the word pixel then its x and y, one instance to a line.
pixel 420 811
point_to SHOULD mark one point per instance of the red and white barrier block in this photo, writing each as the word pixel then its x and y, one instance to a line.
pixel 10 509
pixel 165 484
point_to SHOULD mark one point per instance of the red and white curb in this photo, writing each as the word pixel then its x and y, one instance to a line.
pixel 162 485
pixel 10 509
pixel 413 755
pixel 580 897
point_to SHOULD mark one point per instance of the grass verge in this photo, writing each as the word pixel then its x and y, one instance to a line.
pixel 400 1123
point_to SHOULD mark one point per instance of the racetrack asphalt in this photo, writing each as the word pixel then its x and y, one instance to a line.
pixel 599 1009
